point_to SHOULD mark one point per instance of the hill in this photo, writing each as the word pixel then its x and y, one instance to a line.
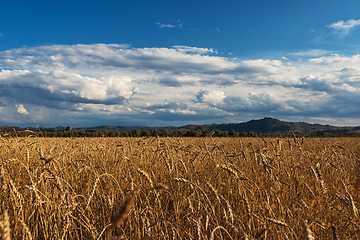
pixel 272 126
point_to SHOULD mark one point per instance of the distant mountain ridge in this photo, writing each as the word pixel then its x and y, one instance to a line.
pixel 272 126
pixel 265 126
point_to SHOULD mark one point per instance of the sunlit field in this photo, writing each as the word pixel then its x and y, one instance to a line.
pixel 180 188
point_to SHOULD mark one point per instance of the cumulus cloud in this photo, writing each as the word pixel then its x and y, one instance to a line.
pixel 213 97
pixel 262 102
pixel 21 109
pixel 116 84
pixel 343 27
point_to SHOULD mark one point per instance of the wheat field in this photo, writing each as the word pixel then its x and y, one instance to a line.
pixel 179 188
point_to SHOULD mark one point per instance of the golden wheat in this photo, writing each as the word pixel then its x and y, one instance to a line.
pixel 179 188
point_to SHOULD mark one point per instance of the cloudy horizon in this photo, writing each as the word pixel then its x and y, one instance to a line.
pixel 178 83
pixel 171 86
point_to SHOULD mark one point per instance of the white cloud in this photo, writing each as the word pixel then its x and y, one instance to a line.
pixel 343 27
pixel 310 53
pixel 213 97
pixel 251 103
pixel 115 84
pixel 177 24
pixel 196 50
pixel 21 109
pixel 165 25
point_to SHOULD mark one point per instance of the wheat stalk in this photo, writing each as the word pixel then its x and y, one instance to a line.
pixel 121 216
pixel 229 209
pixel 352 204
pixel 26 228
pixel 92 192
pixel 180 180
pixel 278 222
pixel 232 171
pixel 308 233
pixel 6 226
pixel 213 191
pixel 212 235
pixel 147 177
pixel 335 232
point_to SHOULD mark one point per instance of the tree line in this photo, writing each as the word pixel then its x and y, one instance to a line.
pixel 135 133
pixel 162 133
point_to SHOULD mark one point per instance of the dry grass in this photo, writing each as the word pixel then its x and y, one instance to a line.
pixel 186 188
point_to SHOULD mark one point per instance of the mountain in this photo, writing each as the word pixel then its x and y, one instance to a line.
pixel 10 129
pixel 275 126
pixel 265 126
pixel 272 126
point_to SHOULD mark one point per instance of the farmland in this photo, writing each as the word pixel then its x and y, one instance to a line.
pixel 180 188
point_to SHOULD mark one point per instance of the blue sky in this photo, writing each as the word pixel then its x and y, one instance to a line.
pixel 157 63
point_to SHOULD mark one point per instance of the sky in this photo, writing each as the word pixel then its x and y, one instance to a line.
pixel 177 62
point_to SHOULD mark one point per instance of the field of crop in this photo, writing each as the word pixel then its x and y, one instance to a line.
pixel 180 188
